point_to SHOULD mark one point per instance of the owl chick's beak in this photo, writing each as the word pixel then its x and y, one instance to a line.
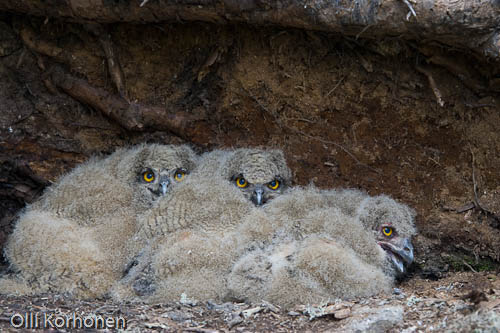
pixel 400 251
pixel 257 196
pixel 164 183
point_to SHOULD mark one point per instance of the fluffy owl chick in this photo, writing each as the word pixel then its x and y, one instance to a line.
pixel 302 212
pixel 393 225
pixel 133 177
pixel 75 238
pixel 390 221
pixel 304 223
pixel 260 175
pixel 311 270
pixel 194 227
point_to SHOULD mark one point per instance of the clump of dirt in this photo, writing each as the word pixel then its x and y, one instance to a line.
pixel 347 112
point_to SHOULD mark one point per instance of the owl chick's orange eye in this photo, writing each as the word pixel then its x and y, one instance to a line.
pixel 241 182
pixel 179 175
pixel 387 231
pixel 274 185
pixel 148 176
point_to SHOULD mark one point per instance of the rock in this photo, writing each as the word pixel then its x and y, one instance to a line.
pixel 235 320
pixel 412 300
pixel 479 321
pixel 187 301
pixel 380 319
pixel 178 316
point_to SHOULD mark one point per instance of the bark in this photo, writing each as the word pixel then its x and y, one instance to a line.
pixel 471 24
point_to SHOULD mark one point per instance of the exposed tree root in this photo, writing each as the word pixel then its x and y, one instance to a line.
pixel 114 68
pixel 432 83
pixel 131 116
pixel 468 24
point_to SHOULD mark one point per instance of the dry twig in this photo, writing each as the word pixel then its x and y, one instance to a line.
pixel 433 85
pixel 469 266
pixel 336 86
pixel 411 12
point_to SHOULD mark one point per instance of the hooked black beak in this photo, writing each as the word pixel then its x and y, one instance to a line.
pixel 258 196
pixel 400 251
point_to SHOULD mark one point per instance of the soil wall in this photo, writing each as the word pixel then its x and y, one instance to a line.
pixel 412 120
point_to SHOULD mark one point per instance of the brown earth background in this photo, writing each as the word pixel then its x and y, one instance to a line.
pixel 417 121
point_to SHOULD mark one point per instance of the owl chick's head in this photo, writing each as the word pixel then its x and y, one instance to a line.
pixel 393 224
pixel 261 175
pixel 153 169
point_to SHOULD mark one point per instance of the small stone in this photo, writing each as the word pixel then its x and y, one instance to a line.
pixel 413 300
pixel 187 301
pixel 178 316
pixel 235 321
pixel 380 319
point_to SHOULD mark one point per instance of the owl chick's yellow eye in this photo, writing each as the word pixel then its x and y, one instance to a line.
pixel 148 176
pixel 274 185
pixel 387 231
pixel 241 182
pixel 179 175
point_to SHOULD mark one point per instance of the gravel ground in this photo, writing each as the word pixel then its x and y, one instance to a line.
pixel 459 302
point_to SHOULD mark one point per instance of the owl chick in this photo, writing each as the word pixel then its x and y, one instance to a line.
pixel 75 237
pixel 129 177
pixel 391 222
pixel 393 225
pixel 302 240
pixel 220 190
pixel 192 229
pixel 260 175
pixel 308 271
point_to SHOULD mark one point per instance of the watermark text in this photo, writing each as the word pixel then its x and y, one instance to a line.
pixel 45 320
